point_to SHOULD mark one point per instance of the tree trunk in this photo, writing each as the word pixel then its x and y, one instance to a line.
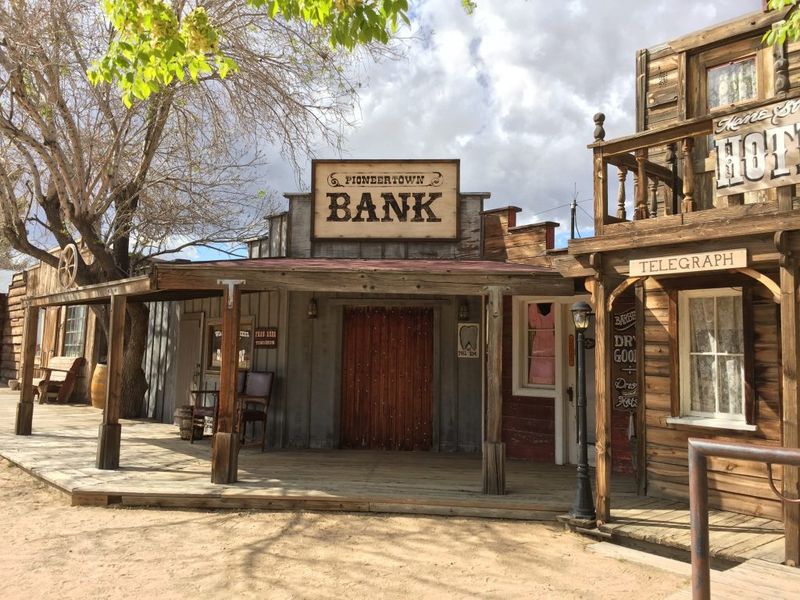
pixel 134 382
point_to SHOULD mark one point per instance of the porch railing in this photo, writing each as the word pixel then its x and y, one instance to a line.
pixel 699 451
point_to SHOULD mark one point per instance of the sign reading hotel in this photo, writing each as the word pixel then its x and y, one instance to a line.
pixel 758 149
pixel 688 263
pixel 385 200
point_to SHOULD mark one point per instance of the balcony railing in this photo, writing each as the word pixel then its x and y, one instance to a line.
pixel 673 170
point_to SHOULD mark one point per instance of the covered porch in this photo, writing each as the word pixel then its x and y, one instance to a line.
pixel 425 282
pixel 159 469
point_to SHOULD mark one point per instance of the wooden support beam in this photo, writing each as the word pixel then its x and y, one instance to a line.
pixel 789 402
pixel 602 363
pixel 24 422
pixel 687 153
pixel 225 449
pixel 494 450
pixel 108 443
pixel 600 191
pixel 640 210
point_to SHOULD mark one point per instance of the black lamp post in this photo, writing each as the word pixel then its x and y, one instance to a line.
pixel 583 507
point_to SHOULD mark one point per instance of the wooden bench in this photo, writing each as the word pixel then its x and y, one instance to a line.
pixel 59 379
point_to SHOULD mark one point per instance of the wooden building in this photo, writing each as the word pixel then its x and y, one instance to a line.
pixel 706 248
pixel 395 312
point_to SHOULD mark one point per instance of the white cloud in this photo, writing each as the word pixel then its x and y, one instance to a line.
pixel 511 91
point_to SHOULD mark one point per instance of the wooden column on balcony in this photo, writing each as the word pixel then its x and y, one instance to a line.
pixel 687 147
pixel 494 450
pixel 225 449
pixel 108 442
pixel 24 422
pixel 600 177
pixel 790 393
pixel 622 176
pixel 640 211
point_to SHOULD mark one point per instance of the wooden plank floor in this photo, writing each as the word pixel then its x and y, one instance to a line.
pixel 733 537
pixel 159 469
pixel 755 580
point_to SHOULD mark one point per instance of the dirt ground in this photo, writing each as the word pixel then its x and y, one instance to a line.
pixel 49 549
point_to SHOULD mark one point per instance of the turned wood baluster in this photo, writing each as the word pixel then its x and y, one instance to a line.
pixel 687 145
pixel 672 161
pixel 622 176
pixel 640 210
pixel 654 183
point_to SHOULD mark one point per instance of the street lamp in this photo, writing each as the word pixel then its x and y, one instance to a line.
pixel 583 507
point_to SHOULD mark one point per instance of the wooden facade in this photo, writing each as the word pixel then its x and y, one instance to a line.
pixel 681 225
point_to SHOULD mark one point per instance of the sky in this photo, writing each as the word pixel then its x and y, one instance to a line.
pixel 511 91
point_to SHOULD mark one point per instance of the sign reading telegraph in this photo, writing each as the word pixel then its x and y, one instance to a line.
pixel 758 149
pixel 688 263
pixel 385 200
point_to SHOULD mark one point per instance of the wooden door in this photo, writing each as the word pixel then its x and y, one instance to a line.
pixel 190 345
pixel 387 378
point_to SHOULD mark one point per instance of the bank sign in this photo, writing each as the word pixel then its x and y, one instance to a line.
pixel 758 149
pixel 385 200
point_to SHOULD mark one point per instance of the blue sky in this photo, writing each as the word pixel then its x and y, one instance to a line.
pixel 511 91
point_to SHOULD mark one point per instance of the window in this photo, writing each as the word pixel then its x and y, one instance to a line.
pixel 215 346
pixel 74 331
pixel 536 347
pixel 731 83
pixel 712 361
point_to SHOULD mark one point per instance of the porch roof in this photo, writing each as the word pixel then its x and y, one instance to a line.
pixel 178 281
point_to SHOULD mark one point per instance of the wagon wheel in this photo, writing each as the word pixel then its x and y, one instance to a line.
pixel 68 266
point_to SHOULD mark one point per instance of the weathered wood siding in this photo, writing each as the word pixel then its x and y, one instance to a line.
pixel 160 361
pixel 313 385
pixel 10 352
pixel 302 246
pixel 734 485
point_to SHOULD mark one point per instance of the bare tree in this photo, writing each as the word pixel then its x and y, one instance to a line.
pixel 180 169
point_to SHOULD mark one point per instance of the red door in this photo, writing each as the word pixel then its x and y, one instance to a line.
pixel 387 375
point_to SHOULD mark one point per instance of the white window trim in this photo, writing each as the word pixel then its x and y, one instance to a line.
pixel 687 416
pixel 518 348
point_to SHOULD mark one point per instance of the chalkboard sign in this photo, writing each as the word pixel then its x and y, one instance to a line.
pixel 623 358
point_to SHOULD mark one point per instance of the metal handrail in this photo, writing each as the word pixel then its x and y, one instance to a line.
pixel 699 451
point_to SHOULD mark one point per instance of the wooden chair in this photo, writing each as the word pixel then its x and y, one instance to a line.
pixel 201 409
pixel 59 379
pixel 254 404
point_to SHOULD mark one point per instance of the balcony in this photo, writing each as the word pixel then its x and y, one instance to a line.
pixel 677 195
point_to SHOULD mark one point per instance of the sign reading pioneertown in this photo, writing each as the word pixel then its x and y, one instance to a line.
pixel 758 149
pixel 688 263
pixel 385 200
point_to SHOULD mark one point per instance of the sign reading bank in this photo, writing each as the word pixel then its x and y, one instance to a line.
pixel 385 200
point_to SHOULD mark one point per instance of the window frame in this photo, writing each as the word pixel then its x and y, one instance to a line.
pixel 686 415
pixel 519 350
pixel 65 332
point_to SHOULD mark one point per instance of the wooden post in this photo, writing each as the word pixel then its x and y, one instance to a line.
pixel 600 191
pixel 494 450
pixel 687 147
pixel 24 422
pixel 109 436
pixel 602 362
pixel 225 450
pixel 789 401
pixel 640 210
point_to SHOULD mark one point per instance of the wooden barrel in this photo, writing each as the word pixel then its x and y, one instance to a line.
pixel 99 384
pixel 183 416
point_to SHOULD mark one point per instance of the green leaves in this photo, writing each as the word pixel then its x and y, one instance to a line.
pixel 151 48
pixel 153 45
pixel 788 29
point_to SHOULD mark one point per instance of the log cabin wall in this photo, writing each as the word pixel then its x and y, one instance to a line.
pixel 739 486
pixel 504 240
pixel 13 313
